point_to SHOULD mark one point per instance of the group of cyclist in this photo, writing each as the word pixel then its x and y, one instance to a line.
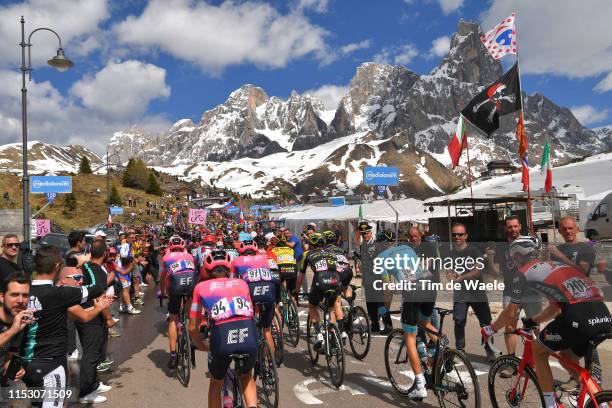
pixel 230 280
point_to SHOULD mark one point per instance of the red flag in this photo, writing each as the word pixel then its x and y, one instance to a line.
pixel 458 142
pixel 523 146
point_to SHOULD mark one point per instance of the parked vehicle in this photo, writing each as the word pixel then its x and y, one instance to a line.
pixel 60 241
pixel 599 226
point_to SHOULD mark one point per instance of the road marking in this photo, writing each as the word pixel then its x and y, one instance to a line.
pixel 309 396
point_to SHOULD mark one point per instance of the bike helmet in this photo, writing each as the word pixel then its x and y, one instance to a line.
pixel 227 240
pixel 209 240
pixel 525 246
pixel 248 248
pixel 316 239
pixel 385 236
pixel 217 258
pixel 330 237
pixel 175 240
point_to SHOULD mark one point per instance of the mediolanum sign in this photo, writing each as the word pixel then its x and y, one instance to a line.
pixel 380 175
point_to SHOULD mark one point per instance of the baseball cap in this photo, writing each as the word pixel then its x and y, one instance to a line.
pixel 364 226
pixel 100 233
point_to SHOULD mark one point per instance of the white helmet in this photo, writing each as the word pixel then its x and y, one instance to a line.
pixel 524 245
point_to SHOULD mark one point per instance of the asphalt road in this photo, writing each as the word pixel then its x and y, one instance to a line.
pixel 139 376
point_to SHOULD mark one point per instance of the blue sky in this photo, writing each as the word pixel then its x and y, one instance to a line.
pixel 151 63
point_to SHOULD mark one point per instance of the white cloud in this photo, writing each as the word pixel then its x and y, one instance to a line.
pixel 76 22
pixel 399 55
pixel 319 6
pixel 448 6
pixel 330 95
pixel 605 84
pixel 352 47
pixel 122 89
pixel 232 33
pixel 587 114
pixel 439 47
pixel 552 41
pixel 59 119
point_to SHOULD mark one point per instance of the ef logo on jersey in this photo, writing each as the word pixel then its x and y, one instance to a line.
pixel 237 336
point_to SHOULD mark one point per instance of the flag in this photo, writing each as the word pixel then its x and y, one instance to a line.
pixel 497 99
pixel 501 40
pixel 360 212
pixel 546 166
pixel 458 142
pixel 523 145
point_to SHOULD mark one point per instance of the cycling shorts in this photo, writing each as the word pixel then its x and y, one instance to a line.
pixel 235 337
pixel 290 284
pixel 287 271
pixel 124 280
pixel 321 283
pixel 345 277
pixel 174 305
pixel 266 314
pixel 263 292
pixel 577 324
pixel 413 312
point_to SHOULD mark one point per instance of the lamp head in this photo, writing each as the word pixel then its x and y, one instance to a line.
pixel 60 62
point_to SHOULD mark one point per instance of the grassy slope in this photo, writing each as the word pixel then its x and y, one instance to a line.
pixel 91 206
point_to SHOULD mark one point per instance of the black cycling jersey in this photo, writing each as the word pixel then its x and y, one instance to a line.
pixel 47 337
pixel 319 260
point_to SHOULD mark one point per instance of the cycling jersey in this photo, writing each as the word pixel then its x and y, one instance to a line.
pixel 326 279
pixel 201 253
pixel 225 299
pixel 180 270
pixel 557 281
pixel 342 265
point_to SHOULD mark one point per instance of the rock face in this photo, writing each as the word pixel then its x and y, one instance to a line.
pixel 383 101
pixel 44 158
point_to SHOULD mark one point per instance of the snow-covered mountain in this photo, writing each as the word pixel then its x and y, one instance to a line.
pixel 44 158
pixel 256 143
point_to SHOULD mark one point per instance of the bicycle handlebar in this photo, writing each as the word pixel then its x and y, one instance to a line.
pixel 524 332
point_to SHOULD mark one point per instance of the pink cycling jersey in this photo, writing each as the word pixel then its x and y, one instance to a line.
pixel 225 300
pixel 253 268
pixel 177 262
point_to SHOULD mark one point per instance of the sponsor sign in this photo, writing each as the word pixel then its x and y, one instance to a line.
pixel 380 175
pixel 336 201
pixel 50 184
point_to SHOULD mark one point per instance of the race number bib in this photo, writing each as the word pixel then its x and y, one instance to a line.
pixel 221 310
pixel 321 265
pixel 578 288
pixel 272 264
pixel 259 274
pixel 242 307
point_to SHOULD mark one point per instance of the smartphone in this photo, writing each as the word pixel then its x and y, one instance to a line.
pixel 544 237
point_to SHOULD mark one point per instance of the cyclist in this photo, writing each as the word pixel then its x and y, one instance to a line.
pixel 279 251
pixel 177 280
pixel 208 244
pixel 384 240
pixel 323 264
pixel 228 304
pixel 345 273
pixel 254 268
pixel 228 246
pixel 575 305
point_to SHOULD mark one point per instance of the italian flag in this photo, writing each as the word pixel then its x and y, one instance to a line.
pixel 458 142
pixel 546 166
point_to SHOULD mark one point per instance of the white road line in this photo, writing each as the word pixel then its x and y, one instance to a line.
pixel 308 396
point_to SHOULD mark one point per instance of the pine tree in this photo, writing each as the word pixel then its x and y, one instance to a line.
pixel 136 174
pixel 84 166
pixel 70 202
pixel 153 187
pixel 115 198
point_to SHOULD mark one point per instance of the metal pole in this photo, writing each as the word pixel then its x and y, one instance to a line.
pixel 107 184
pixel 450 238
pixel 24 140
pixel 396 220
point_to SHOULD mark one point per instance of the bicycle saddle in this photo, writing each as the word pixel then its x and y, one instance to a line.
pixel 443 312
pixel 599 338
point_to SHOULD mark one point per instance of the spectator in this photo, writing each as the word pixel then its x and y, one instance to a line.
pixel 75 256
pixel 463 256
pixel 14 317
pixel 500 263
pixel 367 249
pixel 44 349
pixel 100 236
pixel 572 252
pixel 338 233
pixel 8 259
pixel 295 243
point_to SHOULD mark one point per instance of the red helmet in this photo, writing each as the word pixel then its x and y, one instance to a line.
pixel 175 240
pixel 248 246
pixel 209 239
pixel 217 258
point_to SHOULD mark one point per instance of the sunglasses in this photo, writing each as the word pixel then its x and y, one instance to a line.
pixel 75 277
pixel 12 245
pixel 458 234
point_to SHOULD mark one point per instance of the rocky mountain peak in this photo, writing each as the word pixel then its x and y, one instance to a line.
pixel 468 60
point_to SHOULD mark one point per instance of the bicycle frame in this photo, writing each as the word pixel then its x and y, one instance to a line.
pixel 585 377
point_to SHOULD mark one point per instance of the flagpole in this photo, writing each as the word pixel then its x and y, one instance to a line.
pixel 467 150
pixel 518 66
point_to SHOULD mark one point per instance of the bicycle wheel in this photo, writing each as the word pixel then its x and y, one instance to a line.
pixel 184 356
pixel 398 367
pixel 456 383
pixel 334 354
pixel 359 332
pixel 311 338
pixel 516 391
pixel 603 399
pixel 233 383
pixel 268 378
pixel 293 324
pixel 277 335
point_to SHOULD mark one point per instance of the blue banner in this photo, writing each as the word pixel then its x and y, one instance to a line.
pixel 50 184
pixel 51 197
pixel 380 175
pixel 381 190
pixel 116 210
pixel 336 201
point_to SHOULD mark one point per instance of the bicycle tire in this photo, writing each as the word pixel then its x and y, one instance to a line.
pixel 268 376
pixel 396 359
pixel 334 351
pixel 359 335
pixel 601 398
pixel 292 324
pixel 447 381
pixel 277 335
pixel 184 356
pixel 495 381
pixel 237 394
pixel 310 339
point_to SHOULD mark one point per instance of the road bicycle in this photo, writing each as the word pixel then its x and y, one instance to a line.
pixel 265 366
pixel 289 318
pixel 357 325
pixel 184 347
pixel 448 373
pixel 277 335
pixel 232 379
pixel 522 387
pixel 332 343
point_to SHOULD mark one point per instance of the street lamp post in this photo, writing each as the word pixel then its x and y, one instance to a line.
pixel 59 62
